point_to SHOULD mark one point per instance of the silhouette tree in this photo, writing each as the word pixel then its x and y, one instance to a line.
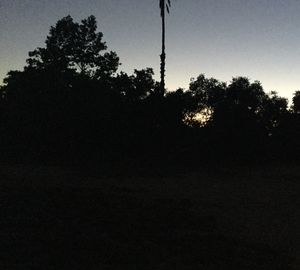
pixel 69 103
pixel 76 46
pixel 296 102
pixel 137 86
pixel 274 112
pixel 207 94
pixel 164 6
pixel 62 100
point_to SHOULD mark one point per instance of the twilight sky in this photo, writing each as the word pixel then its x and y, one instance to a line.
pixel 259 39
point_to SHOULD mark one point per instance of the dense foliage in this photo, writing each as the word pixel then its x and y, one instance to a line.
pixel 70 104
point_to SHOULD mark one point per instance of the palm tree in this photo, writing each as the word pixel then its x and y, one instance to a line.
pixel 163 5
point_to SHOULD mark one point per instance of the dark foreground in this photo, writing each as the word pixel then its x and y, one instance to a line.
pixel 53 218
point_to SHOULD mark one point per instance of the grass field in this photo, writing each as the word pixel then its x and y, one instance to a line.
pixel 62 218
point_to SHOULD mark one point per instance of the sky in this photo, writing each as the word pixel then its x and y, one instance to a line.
pixel 259 39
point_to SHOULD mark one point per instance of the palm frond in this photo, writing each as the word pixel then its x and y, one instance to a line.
pixel 164 4
pixel 168 5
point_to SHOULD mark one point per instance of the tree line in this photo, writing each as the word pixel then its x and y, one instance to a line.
pixel 71 104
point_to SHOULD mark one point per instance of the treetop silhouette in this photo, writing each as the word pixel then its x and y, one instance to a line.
pixel 70 100
pixel 76 46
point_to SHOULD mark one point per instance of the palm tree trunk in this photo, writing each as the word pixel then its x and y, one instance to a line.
pixel 163 53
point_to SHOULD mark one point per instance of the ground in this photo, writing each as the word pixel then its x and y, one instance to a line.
pixel 215 219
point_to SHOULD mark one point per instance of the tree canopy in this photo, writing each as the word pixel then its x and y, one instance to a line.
pixel 70 102
pixel 76 46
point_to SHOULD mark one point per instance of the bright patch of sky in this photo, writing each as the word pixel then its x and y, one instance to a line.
pixel 223 39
